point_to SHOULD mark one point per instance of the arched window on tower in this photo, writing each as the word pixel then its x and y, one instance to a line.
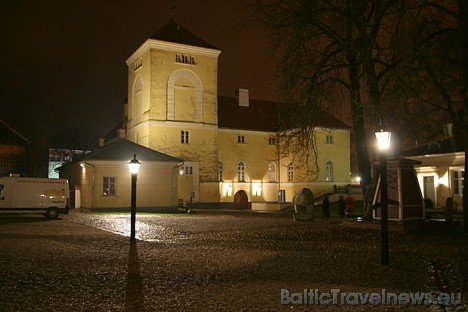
pixel 138 108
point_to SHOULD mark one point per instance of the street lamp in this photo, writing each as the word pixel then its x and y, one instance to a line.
pixel 383 141
pixel 134 167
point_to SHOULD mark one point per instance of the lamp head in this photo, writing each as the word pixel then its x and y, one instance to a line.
pixel 134 165
pixel 383 139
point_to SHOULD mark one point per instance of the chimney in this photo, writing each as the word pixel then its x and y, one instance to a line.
pixel 448 130
pixel 101 142
pixel 242 97
pixel 125 113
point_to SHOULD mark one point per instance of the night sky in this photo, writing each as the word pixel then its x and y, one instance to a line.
pixel 63 62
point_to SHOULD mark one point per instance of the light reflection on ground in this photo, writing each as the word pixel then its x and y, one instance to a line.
pixel 120 224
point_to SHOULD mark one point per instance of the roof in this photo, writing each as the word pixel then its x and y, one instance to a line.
pixel 8 135
pixel 261 116
pixel 434 148
pixel 173 32
pixel 122 149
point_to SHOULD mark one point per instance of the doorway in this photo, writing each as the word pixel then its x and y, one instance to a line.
pixel 241 200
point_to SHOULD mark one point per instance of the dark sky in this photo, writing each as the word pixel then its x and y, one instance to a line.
pixel 63 62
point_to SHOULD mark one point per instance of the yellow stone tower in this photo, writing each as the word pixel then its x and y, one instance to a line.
pixel 172 105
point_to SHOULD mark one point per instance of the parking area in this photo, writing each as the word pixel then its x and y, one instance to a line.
pixel 211 261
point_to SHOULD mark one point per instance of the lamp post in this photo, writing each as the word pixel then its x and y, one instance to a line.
pixel 383 141
pixel 134 167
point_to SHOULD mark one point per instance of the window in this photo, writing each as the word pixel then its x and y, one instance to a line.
pixel 329 139
pixel 271 140
pixel 457 181
pixel 240 139
pixel 184 137
pixel 108 186
pixel 220 171
pixel 137 64
pixel 187 170
pixel 272 172
pixel 290 172
pixel 185 59
pixel 329 171
pixel 241 171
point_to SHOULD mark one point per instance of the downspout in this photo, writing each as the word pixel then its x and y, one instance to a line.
pixel 279 166
pixel 175 186
pixel 92 183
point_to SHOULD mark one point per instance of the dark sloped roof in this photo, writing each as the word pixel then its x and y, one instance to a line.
pixel 438 147
pixel 262 116
pixel 8 135
pixel 173 32
pixel 122 149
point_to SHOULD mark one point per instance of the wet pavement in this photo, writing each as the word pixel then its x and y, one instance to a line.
pixel 216 261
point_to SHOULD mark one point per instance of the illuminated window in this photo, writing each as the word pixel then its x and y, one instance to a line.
pixel 108 186
pixel 457 181
pixel 185 59
pixel 329 171
pixel 290 172
pixel 137 64
pixel 187 170
pixel 184 137
pixel 241 171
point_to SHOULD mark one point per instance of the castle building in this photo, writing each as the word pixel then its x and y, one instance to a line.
pixel 229 145
pixel 13 151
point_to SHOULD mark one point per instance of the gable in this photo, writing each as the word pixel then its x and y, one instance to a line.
pixel 173 32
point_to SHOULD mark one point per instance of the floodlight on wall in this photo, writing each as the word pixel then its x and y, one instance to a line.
pixel 257 188
pixel 227 189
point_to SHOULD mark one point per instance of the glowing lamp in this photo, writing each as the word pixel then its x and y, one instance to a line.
pixel 383 139
pixel 134 165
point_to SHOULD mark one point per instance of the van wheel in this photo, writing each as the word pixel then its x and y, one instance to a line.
pixel 51 213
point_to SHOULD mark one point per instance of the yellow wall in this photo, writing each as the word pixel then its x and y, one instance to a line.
pixel 156 129
pixel 155 184
pixel 154 122
pixel 257 154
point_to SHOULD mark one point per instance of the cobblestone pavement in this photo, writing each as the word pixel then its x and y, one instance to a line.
pixel 217 261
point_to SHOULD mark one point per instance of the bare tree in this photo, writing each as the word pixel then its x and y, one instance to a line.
pixel 433 80
pixel 463 44
pixel 336 53
pixel 72 142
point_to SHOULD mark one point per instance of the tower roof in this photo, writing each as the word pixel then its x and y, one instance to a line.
pixel 173 32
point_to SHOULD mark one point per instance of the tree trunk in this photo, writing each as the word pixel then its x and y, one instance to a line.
pixel 463 37
pixel 359 132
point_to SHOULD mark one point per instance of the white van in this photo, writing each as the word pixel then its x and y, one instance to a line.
pixel 50 197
